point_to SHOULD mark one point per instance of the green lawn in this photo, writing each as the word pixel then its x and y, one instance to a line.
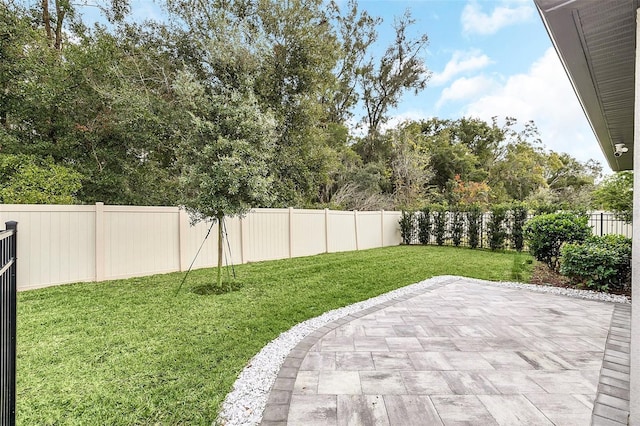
pixel 131 352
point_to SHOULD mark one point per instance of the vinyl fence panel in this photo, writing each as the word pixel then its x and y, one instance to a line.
pixel 309 235
pixel 57 243
pixel 140 241
pixel 66 244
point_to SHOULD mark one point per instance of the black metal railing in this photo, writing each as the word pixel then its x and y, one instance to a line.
pixel 605 223
pixel 8 247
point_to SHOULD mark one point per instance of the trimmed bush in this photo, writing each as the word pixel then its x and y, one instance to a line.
pixel 407 227
pixel 496 232
pixel 600 263
pixel 440 225
pixel 424 225
pixel 474 223
pixel 519 217
pixel 457 227
pixel 545 235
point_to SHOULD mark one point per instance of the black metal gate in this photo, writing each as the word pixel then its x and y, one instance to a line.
pixel 8 246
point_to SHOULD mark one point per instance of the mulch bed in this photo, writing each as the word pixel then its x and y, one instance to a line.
pixel 543 275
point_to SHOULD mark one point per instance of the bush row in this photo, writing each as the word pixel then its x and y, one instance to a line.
pixel 501 227
pixel 563 241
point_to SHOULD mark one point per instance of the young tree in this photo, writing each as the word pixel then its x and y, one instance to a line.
pixel 224 156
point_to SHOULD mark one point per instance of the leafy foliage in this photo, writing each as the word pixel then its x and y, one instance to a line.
pixel 599 263
pixel 25 180
pixel 474 224
pixel 108 103
pixel 519 213
pixel 409 167
pixel 457 227
pixel 546 234
pixel 407 226
pixel 615 194
pixel 424 225
pixel 468 193
pixel 440 215
pixel 496 227
pixel 224 159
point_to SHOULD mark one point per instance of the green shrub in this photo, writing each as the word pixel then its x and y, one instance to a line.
pixel 440 225
pixel 474 223
pixel 496 232
pixel 545 235
pixel 519 215
pixel 407 227
pixel 600 263
pixel 424 225
pixel 457 227
pixel 541 209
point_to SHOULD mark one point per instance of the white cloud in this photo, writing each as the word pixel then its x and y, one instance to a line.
pixel 466 88
pixel 544 95
pixel 411 115
pixel 460 62
pixel 476 21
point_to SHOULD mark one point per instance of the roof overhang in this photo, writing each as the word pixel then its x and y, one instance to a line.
pixel 596 42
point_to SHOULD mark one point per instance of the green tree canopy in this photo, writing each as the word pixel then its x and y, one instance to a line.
pixel 615 193
pixel 26 180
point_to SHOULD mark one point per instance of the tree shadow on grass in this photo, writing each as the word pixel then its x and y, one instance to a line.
pixel 209 289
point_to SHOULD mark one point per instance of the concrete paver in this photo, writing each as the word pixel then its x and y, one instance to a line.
pixel 461 352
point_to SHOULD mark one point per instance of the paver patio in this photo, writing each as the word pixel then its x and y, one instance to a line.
pixel 461 352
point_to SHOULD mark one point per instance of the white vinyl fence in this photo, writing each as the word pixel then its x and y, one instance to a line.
pixel 65 244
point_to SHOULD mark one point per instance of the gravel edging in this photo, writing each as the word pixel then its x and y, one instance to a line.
pixel 245 403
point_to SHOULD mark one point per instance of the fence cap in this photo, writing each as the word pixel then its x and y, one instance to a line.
pixel 12 224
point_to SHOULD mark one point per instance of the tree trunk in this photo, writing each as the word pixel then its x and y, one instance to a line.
pixel 57 45
pixel 46 20
pixel 220 222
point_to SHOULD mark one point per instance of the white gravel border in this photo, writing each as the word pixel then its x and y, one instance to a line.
pixel 244 405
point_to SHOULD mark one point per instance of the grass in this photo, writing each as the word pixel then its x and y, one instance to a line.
pixel 131 352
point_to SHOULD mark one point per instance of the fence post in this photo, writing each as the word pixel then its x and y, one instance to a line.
pixel 290 232
pixel 381 228
pixel 601 224
pixel 243 255
pixel 355 225
pixel 326 230
pixel 182 240
pixel 481 229
pixel 99 236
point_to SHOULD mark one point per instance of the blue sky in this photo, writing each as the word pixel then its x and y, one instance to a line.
pixel 487 58
pixel 492 58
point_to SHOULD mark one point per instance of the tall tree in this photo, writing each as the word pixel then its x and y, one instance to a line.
pixel 519 172
pixel 298 74
pixel 401 68
pixel 356 32
pixel 448 156
pixel 409 167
